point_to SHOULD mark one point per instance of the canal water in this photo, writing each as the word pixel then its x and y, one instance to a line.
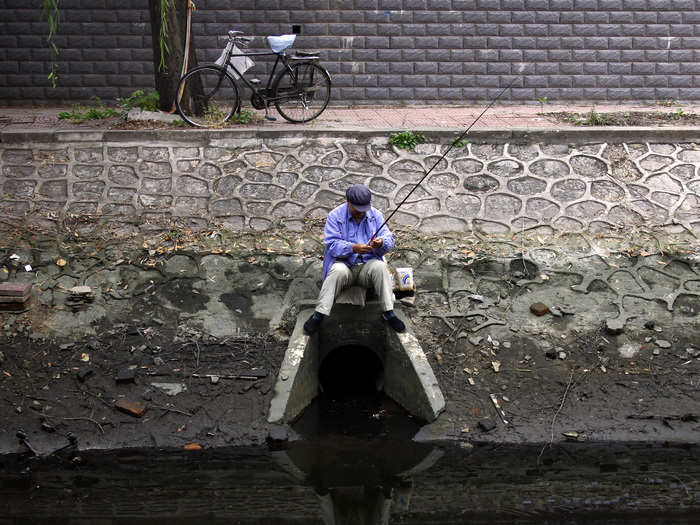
pixel 352 460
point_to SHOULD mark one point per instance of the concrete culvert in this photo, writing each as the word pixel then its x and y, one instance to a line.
pixel 351 371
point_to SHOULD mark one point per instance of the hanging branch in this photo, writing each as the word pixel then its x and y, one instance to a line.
pixel 50 10
pixel 165 6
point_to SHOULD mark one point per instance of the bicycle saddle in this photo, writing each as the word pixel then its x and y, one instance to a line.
pixel 280 43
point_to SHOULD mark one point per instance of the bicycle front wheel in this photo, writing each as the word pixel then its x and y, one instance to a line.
pixel 301 93
pixel 207 97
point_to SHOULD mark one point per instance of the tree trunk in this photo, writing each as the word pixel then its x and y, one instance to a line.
pixel 167 78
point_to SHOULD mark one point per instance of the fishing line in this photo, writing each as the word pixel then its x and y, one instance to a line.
pixel 452 145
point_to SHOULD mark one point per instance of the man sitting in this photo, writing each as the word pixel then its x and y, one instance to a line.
pixel 352 256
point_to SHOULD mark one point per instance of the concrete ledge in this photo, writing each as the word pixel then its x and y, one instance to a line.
pixel 202 136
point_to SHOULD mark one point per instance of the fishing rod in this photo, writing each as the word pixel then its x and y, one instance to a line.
pixel 452 145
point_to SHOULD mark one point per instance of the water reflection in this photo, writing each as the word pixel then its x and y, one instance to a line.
pixel 358 454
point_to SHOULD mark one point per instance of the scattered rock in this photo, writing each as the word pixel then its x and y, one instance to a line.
pixel 214 379
pixel 539 308
pixel 128 406
pixel 692 352
pixel 628 350
pixel 572 436
pixel 649 325
pixel 170 389
pixel 48 427
pixel 662 343
pixel 566 309
pixel 158 361
pixel 486 424
pixel 84 373
pixel 656 351
pixel 614 326
pixel 2 356
pixel 506 345
pixel 476 340
pixel 556 312
pixel 476 297
pixel 561 355
pixel 496 366
pixel 126 375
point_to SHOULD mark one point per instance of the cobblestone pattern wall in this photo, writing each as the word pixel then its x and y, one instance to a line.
pixel 248 184
pixel 383 51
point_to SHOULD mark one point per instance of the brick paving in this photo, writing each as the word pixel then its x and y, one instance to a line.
pixel 498 117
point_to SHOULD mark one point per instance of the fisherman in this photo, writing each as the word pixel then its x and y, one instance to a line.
pixel 354 256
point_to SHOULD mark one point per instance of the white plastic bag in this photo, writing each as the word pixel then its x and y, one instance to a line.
pixel 241 63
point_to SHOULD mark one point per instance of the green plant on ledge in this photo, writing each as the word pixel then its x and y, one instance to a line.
pixel 592 118
pixel 542 101
pixel 80 114
pixel 244 117
pixel 459 142
pixel 139 99
pixel 406 140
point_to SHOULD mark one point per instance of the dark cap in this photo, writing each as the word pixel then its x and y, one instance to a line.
pixel 359 196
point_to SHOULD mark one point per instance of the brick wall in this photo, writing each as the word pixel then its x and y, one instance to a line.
pixel 383 51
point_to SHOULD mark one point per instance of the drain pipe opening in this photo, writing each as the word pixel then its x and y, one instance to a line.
pixel 351 371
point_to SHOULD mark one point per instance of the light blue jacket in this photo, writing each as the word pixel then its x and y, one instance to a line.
pixel 339 245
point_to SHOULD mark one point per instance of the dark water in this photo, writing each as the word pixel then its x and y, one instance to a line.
pixel 355 463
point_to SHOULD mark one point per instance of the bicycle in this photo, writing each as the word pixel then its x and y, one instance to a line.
pixel 208 95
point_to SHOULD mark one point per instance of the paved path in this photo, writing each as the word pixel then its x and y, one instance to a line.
pixel 450 117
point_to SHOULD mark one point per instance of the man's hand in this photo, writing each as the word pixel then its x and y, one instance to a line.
pixel 361 248
pixel 376 243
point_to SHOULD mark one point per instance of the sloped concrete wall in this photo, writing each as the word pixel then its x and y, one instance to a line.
pixel 257 179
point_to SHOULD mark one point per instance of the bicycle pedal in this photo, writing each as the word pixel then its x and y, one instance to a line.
pixel 270 117
pixel 254 81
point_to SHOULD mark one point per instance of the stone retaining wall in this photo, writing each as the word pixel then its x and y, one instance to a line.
pixel 498 183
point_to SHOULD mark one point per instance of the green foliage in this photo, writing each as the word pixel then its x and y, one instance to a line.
pixel 81 114
pixel 244 117
pixel 678 114
pixel 593 118
pixel 165 6
pixel 406 139
pixel 140 99
pixel 542 101
pixel 49 10
pixel 459 142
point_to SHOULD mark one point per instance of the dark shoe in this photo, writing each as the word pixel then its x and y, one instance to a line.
pixel 396 323
pixel 313 323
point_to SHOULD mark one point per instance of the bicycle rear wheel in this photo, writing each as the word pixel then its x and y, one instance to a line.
pixel 209 96
pixel 302 94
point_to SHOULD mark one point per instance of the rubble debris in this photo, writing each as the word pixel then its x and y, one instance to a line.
pixel 128 406
pixel 572 436
pixel 80 297
pixel 84 373
pixel 193 446
pixel 649 325
pixel 500 411
pixel 628 350
pixel 14 295
pixel 252 374
pixel 556 312
pixel 662 343
pixel 614 326
pixel 126 375
pixel 539 309
pixel 48 427
pixel 171 389
pixel 486 424
pixel 475 340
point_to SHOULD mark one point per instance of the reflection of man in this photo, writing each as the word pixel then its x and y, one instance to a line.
pixel 352 256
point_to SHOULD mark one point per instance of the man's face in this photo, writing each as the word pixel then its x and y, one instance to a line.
pixel 356 214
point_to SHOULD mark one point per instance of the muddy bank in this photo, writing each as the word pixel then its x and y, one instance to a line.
pixel 200 320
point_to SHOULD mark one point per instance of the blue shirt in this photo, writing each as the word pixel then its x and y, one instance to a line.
pixel 341 232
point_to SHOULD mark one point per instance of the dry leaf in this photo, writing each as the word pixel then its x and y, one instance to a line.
pixel 61 262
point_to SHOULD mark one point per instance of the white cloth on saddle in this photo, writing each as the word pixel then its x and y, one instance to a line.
pixel 280 43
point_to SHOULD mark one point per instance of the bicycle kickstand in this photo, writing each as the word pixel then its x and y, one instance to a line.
pixel 267 114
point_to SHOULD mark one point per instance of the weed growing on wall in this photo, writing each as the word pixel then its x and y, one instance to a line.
pixel 406 140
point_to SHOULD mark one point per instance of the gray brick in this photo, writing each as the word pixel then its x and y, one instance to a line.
pixel 462 80
pixel 465 5
pixel 365 4
pixel 511 30
pixel 549 42
pixel 641 68
pixel 546 68
pixel 367 29
pixel 610 5
pixel 633 55
pixel 450 17
pixel 655 81
pixel 619 94
pixel 620 69
pixel 486 55
pixel 560 30
pixel 534 5
pixel 476 42
pixel 622 17
pixel 666 17
pixel 534 55
pixel 522 17
pixel 389 55
pixel 513 5
pixel 570 68
pixel 427 42
pixel 649 17
pixel 559 55
pixel 575 42
pixel 535 81
pixel 389 30
pixel 497 68
pixel 576 81
pixel 623 42
pixel 656 55
pixel 425 17
pixel 424 68
pixel 340 29
pixel 438 29
pixel 365 80
pixel 449 68
pixel 413 29
pixel 524 42
pixel 688 94
pixel 680 81
pixel 475 94
pixel 498 17
pixel 389 80
pixel 609 55
pixel 364 55
pixel 595 17
pixel 498 42
pixel 645 43
pixel 437 55
pixel 536 29
pixel 595 93
pixel 378 42
pixel 571 17
pixel 401 42
pixel 426 94
pixel 595 68
pixel 596 42
pixel 474 68
pixel 413 56
pixel 439 4
pixel 680 55
pixel 634 5
pixel 646 94
pixel 401 68
pixel 347 93
pixel 510 55
pixel 414 81
pixel 399 93
pixel 547 17
pixel 608 81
